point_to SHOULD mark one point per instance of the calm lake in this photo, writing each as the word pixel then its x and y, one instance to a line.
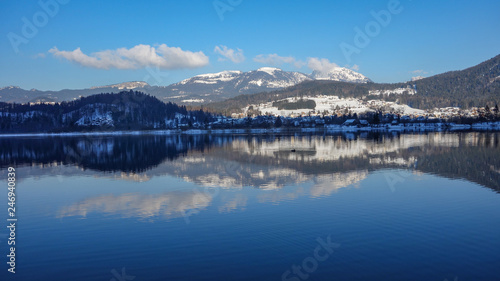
pixel 369 206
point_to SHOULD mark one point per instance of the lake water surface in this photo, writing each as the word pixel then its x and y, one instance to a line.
pixel 236 207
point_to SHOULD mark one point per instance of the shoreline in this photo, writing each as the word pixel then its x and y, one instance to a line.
pixel 409 128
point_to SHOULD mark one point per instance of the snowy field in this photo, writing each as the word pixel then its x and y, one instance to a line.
pixel 334 104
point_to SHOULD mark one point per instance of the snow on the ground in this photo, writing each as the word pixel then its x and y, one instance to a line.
pixel 96 119
pixel 193 100
pixel 398 91
pixel 402 108
pixel 331 104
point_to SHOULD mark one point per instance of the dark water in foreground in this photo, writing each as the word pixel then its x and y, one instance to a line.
pixel 342 207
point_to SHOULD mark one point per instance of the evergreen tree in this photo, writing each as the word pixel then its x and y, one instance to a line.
pixel 376 118
pixel 278 123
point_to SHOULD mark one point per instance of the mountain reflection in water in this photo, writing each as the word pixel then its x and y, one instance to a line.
pixel 248 207
pixel 265 161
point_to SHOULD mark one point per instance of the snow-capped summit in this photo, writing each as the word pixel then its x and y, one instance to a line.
pixel 272 78
pixel 341 74
pixel 217 86
pixel 212 78
pixel 125 85
pixel 269 70
pixel 224 73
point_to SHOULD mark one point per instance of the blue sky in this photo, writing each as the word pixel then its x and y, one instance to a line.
pixel 79 44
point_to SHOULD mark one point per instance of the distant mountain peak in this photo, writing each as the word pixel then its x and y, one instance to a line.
pixel 211 78
pixel 125 86
pixel 269 70
pixel 10 87
pixel 341 74
pixel 218 74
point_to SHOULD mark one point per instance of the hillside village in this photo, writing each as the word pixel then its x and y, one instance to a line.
pixel 136 111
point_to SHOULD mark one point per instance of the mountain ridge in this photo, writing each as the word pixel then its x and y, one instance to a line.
pixel 471 87
pixel 202 88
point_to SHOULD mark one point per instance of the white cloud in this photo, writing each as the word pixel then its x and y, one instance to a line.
pixel 139 56
pixel 227 53
pixel 275 60
pixel 321 65
pixel 355 67
pixel 39 55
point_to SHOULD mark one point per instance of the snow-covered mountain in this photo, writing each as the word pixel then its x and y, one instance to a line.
pixel 341 74
pixel 124 86
pixel 203 88
pixel 266 76
pixel 199 89
pixel 227 84
pixel 212 78
pixel 477 85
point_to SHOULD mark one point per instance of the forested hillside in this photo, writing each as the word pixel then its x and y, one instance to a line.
pixel 123 111
pixel 475 86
